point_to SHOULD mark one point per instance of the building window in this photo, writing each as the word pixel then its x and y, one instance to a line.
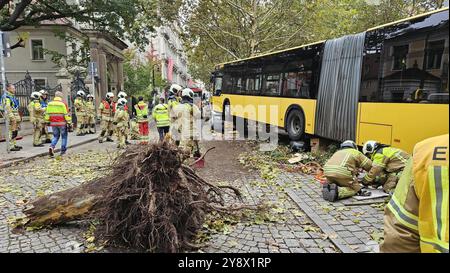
pixel 37 50
pixel 400 56
pixel 40 83
pixel 434 54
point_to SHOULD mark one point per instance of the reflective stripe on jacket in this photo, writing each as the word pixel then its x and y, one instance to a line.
pixel 417 217
pixel 141 111
pixel 161 115
pixel 345 163
pixel 57 113
pixel 387 159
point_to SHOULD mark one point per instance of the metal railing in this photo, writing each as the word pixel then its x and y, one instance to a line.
pixel 25 87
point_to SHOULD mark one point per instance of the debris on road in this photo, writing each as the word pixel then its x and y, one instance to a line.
pixel 150 201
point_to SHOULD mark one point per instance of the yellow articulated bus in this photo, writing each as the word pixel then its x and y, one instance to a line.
pixel 389 84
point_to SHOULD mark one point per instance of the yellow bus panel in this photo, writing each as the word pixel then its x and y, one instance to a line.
pixel 379 132
pixel 410 123
pixel 258 108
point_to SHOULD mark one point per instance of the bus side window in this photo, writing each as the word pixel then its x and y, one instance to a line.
pixel 408 62
pixel 218 86
pixel 272 85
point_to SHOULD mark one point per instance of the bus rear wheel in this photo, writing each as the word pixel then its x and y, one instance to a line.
pixel 295 125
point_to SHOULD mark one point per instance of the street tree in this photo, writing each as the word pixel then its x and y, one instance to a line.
pixel 222 30
pixel 131 19
pixel 139 71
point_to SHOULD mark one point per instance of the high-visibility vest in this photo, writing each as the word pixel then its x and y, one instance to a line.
pixel 141 111
pixel 57 113
pixel 161 115
pixel 428 169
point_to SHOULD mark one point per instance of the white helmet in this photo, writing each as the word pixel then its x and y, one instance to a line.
pixel 122 102
pixel 90 96
pixel 349 144
pixel 175 88
pixel 187 92
pixel 370 147
pixel 81 93
pixel 109 95
pixel 122 95
pixel 43 92
pixel 35 95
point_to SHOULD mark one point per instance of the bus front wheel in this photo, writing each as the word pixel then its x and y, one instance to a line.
pixel 295 125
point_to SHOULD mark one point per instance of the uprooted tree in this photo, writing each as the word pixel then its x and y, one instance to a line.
pixel 150 201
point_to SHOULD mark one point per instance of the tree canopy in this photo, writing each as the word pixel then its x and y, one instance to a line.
pixel 222 30
pixel 139 74
pixel 131 19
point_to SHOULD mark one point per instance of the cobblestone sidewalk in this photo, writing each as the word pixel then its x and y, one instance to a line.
pixel 352 227
pixel 294 232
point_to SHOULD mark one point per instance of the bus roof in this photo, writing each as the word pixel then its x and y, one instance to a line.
pixel 319 42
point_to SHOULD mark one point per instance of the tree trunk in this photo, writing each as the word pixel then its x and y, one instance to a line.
pixel 65 206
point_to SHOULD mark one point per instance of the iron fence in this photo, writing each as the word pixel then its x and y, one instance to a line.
pixel 25 87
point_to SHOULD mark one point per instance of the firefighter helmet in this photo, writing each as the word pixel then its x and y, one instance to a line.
pixel 81 93
pixel 187 92
pixel 35 95
pixel 349 144
pixel 122 95
pixel 121 102
pixel 174 89
pixel 109 95
pixel 370 147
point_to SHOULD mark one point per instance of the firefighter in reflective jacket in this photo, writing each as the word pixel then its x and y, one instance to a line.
pixel 46 135
pixel 36 118
pixel 11 105
pixel 80 113
pixel 161 116
pixel 106 113
pixel 416 219
pixel 387 165
pixel 90 114
pixel 342 171
pixel 186 115
pixel 121 120
pixel 142 118
pixel 173 100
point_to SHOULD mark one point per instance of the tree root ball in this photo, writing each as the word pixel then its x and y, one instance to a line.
pixel 150 201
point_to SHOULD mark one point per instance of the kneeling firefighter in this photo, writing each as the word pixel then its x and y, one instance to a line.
pixel 387 167
pixel 342 171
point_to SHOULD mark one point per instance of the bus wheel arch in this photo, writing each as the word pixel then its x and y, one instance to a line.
pixel 294 122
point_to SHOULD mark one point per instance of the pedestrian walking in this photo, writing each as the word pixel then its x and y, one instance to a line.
pixel 58 117
pixel 162 118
